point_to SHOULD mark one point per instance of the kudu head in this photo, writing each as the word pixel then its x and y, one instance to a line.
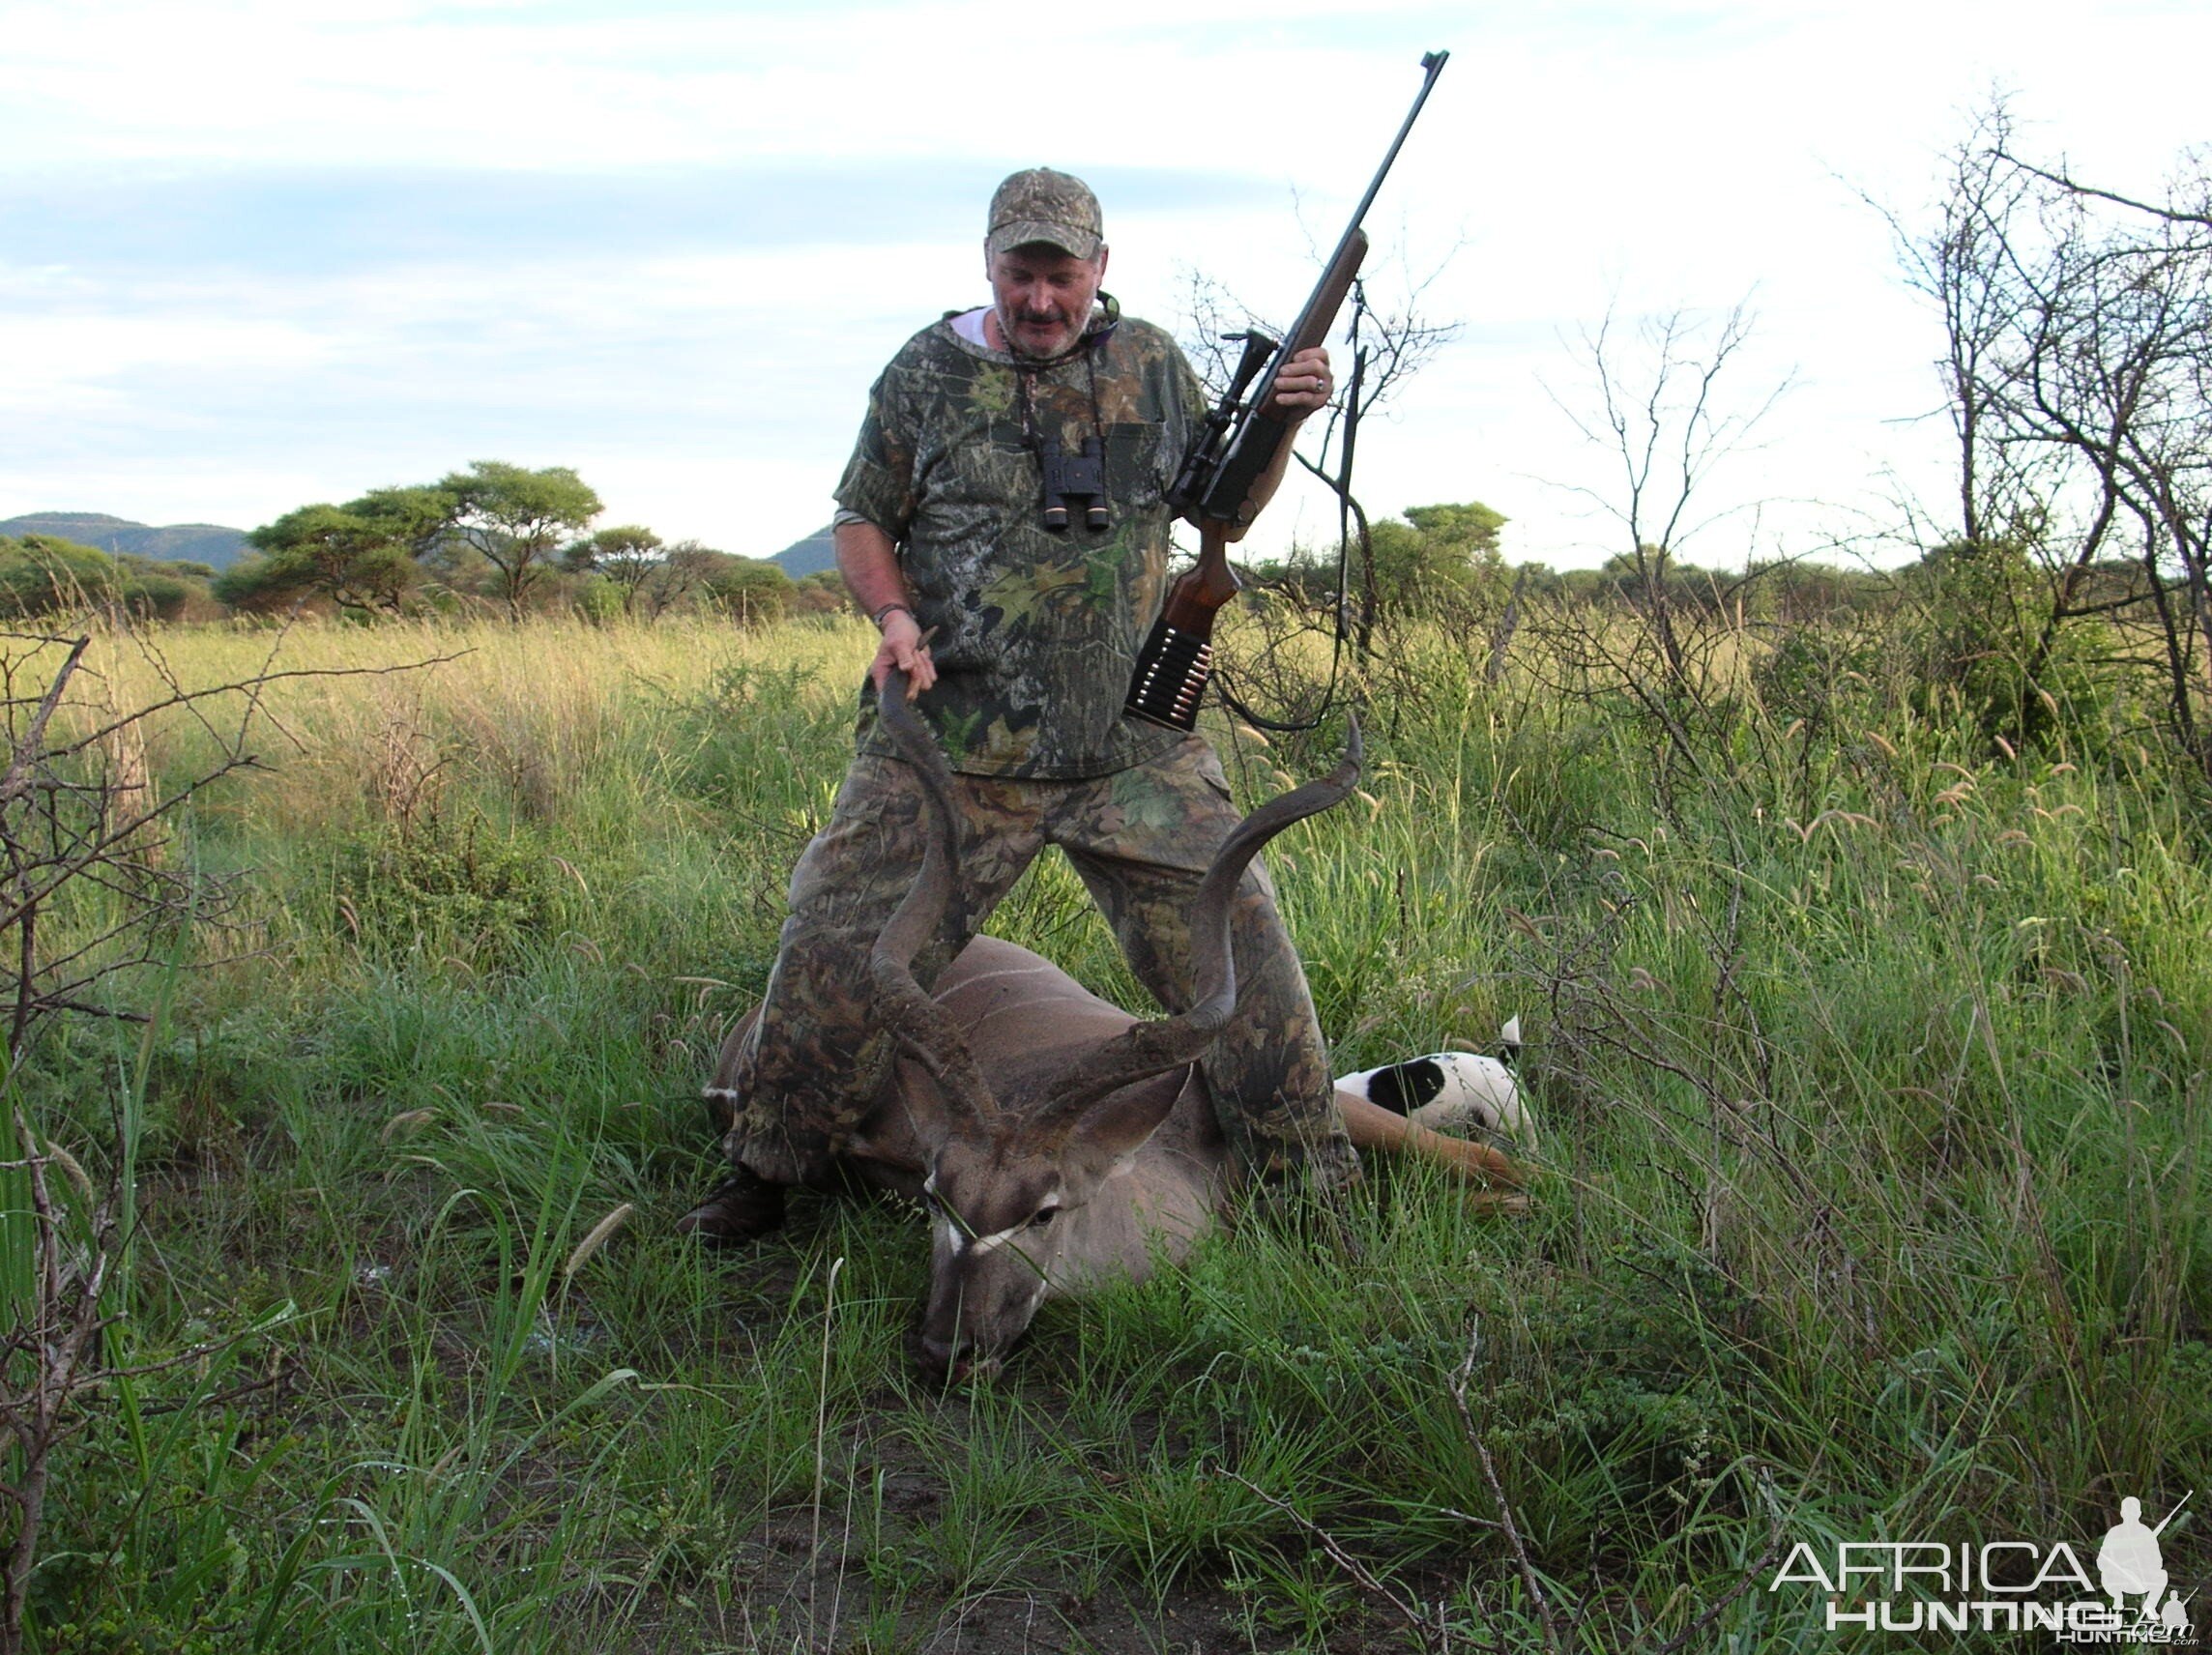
pixel 1015 1157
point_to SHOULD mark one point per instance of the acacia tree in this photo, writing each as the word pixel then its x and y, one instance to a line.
pixel 630 556
pixel 413 518
pixel 517 520
pixel 750 590
pixel 363 555
pixel 1436 563
pixel 2079 373
pixel 331 550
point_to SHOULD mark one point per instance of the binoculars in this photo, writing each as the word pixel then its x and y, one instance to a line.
pixel 1071 479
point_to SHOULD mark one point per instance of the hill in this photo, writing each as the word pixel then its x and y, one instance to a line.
pixel 208 543
pixel 811 556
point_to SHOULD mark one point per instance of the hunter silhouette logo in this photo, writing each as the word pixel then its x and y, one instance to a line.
pixel 2129 1562
pixel 1928 1585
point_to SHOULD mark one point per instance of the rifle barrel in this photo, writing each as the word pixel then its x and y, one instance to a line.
pixel 2171 1515
pixel 1251 446
pixel 1434 62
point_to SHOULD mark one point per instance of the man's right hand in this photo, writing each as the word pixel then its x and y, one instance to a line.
pixel 903 648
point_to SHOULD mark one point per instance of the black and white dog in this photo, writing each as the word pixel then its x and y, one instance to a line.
pixel 1454 1091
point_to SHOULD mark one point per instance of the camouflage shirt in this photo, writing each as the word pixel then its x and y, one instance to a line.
pixel 1036 629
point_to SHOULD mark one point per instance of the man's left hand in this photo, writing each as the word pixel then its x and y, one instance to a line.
pixel 1303 385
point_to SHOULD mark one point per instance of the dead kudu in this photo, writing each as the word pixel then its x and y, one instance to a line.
pixel 1056 1141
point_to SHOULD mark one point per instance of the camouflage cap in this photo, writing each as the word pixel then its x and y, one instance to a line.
pixel 1042 205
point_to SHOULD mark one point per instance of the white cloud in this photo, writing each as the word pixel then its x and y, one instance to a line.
pixel 59 360
pixel 1644 156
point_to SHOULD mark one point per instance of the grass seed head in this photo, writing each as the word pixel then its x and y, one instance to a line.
pixel 405 1123
pixel 596 1237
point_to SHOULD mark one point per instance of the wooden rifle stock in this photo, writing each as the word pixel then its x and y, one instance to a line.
pixel 1217 485
pixel 1177 657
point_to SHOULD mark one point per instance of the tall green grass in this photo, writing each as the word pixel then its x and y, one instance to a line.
pixel 1872 1073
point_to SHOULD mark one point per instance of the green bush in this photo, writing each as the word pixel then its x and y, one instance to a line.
pixel 44 574
pixel 469 889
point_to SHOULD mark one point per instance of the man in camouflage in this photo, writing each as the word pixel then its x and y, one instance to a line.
pixel 1019 639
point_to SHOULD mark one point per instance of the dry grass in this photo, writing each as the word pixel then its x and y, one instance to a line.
pixel 533 712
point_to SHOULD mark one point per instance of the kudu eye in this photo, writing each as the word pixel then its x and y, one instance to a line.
pixel 1045 1215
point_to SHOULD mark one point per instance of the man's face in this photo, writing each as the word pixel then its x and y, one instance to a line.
pixel 1043 297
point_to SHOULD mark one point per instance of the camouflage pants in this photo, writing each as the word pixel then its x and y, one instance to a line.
pixel 813 1062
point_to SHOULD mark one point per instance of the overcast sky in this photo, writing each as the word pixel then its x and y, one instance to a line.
pixel 257 254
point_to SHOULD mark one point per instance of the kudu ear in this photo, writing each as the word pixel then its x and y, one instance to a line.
pixel 1118 1125
pixel 922 1102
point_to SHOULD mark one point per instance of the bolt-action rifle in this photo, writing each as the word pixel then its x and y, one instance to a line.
pixel 1240 444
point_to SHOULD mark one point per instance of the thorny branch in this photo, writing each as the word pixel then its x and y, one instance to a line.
pixel 1463 1377
pixel 1431 1630
pixel 1392 344
pixel 2066 180
pixel 2081 402
pixel 79 845
pixel 54 1336
pixel 1659 418
pixel 56 1351
pixel 80 813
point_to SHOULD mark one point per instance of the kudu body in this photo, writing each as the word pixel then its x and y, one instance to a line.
pixel 1057 1141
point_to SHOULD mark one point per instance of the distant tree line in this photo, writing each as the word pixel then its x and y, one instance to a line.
pixel 1959 626
pixel 496 536
pixel 1444 564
